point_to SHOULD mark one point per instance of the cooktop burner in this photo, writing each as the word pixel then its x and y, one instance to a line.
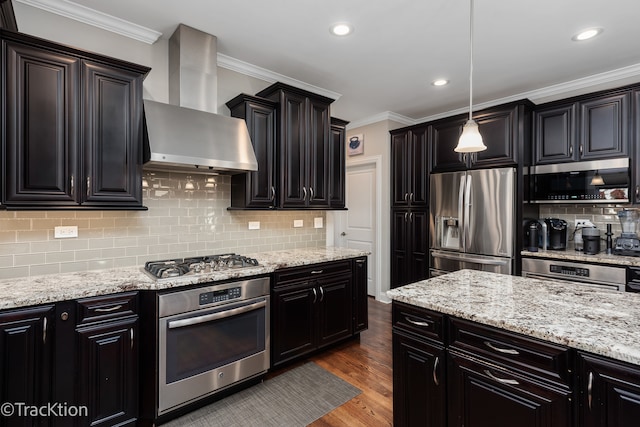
pixel 197 265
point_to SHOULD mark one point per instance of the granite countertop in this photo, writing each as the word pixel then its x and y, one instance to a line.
pixel 572 255
pixel 36 290
pixel 597 321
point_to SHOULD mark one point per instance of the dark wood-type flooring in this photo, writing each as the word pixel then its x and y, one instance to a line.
pixel 365 363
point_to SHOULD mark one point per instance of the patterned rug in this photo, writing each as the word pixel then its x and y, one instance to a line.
pixel 295 398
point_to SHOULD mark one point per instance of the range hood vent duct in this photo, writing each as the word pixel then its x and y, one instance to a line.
pixel 187 135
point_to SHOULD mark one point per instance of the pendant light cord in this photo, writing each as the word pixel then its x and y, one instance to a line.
pixel 470 59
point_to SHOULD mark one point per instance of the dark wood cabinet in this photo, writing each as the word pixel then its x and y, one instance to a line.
pixel 409 246
pixel 303 134
pixel 256 189
pixel 505 132
pixel 337 164
pixel 608 392
pixel 410 168
pixel 360 295
pixel 73 133
pixel 587 128
pixel 26 357
pixel 7 16
pixel 311 308
pixel 419 367
pixel 635 149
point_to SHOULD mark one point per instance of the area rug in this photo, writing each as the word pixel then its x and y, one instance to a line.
pixel 295 398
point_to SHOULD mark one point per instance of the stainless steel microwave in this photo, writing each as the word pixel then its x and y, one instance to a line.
pixel 596 181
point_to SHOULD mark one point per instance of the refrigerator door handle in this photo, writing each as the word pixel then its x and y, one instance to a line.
pixel 462 222
pixel 467 258
pixel 467 212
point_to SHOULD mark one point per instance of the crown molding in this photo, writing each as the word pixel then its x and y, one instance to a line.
pixel 251 70
pixel 387 115
pixel 92 17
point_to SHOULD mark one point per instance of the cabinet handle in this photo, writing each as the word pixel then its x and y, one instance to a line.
pixel 317 271
pixel 500 380
pixel 44 330
pixel 73 186
pixel 359 261
pixel 304 193
pixel 131 331
pixel 411 198
pixel 406 214
pixel 410 216
pixel 571 150
pixel 581 149
pixel 415 322
pixel 406 197
pixel 315 295
pixel 590 389
pixel 637 193
pixel 435 371
pixel 273 193
pixel 88 186
pixel 106 310
pixel 501 350
pixel 321 294
pixel 311 194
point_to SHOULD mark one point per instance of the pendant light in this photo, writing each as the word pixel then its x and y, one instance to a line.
pixel 470 141
pixel 597 179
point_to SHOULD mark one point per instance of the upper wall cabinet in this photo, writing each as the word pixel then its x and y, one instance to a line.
pixel 591 128
pixel 409 167
pixel 337 163
pixel 256 189
pixel 73 127
pixel 303 147
pixel 504 130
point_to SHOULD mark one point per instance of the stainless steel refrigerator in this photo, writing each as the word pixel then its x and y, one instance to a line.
pixel 472 221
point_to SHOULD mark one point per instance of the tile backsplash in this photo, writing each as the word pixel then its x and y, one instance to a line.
pixel 599 216
pixel 187 216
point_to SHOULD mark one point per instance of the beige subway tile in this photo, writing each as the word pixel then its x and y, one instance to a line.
pixel 136 250
pixel 74 267
pixel 49 246
pixel 57 257
pixel 73 244
pixel 90 214
pixel 8 236
pixel 14 272
pixel 101 243
pixel 114 232
pixel 33 236
pixel 89 254
pixel 80 223
pixel 60 214
pixel 121 242
pixel 126 262
pixel 40 269
pixel 91 233
pixel 100 264
pixel 14 248
pixel 138 231
pixel 6 261
pixel 158 249
pixel 15 224
pixel 27 259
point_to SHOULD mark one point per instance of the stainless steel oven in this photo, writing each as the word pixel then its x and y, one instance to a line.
pixel 602 277
pixel 210 338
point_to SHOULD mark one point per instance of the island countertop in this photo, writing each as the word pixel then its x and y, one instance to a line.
pixel 36 290
pixel 601 322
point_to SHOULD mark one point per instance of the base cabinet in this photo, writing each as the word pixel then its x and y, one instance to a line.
pixel 608 392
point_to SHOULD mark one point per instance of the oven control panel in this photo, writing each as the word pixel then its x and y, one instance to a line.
pixel 569 271
pixel 221 295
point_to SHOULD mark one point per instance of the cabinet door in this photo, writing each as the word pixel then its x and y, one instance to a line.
pixel 418 233
pixel 360 295
pixel 444 138
pixel 604 127
pixel 483 395
pixel 337 165
pixel 609 393
pixel 419 383
pixel 635 148
pixel 293 151
pixel 25 359
pixel 334 305
pixel 317 176
pixel 41 126
pixel 555 134
pixel 499 132
pixel 399 169
pixel 112 136
pixel 108 372
pixel 418 161
pixel 400 249
pixel 293 322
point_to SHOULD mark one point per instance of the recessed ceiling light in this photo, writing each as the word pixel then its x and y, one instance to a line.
pixel 440 82
pixel 587 34
pixel 341 29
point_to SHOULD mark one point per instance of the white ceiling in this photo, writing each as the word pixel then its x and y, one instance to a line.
pixel 521 48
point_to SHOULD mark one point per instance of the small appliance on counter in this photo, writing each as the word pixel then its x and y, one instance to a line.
pixel 628 243
pixel 556 236
pixel 532 234
pixel 591 240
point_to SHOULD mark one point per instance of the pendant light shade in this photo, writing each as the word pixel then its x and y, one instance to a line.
pixel 470 141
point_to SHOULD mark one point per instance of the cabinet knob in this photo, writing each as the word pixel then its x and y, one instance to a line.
pixel 571 150
pixel 343 234
pixel 64 316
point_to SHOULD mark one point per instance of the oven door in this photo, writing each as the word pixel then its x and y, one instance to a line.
pixel 207 350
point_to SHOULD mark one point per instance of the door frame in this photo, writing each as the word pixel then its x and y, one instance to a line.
pixel 376 162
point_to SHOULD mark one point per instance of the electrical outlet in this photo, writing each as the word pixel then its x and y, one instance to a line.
pixel 317 222
pixel 254 225
pixel 581 223
pixel 65 232
pixel 298 223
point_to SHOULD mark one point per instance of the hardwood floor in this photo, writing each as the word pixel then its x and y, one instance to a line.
pixel 367 364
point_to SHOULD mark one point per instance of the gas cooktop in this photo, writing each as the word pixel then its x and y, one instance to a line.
pixel 197 265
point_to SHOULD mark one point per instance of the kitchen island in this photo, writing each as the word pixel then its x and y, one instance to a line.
pixel 516 349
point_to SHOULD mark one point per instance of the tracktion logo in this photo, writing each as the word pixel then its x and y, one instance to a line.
pixel 51 409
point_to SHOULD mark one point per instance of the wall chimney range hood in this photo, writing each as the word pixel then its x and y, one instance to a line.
pixel 187 135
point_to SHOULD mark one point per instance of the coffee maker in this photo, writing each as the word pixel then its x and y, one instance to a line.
pixel 557 236
pixel 628 243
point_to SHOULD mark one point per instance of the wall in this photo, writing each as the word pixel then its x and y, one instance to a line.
pixel 178 223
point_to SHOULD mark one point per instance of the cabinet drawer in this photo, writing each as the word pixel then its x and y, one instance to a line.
pixel 514 351
pixel 420 321
pixel 307 272
pixel 108 307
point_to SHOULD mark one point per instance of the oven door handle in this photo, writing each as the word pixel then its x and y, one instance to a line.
pixel 215 316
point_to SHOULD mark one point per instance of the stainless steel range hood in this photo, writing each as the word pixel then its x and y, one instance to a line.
pixel 187 135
